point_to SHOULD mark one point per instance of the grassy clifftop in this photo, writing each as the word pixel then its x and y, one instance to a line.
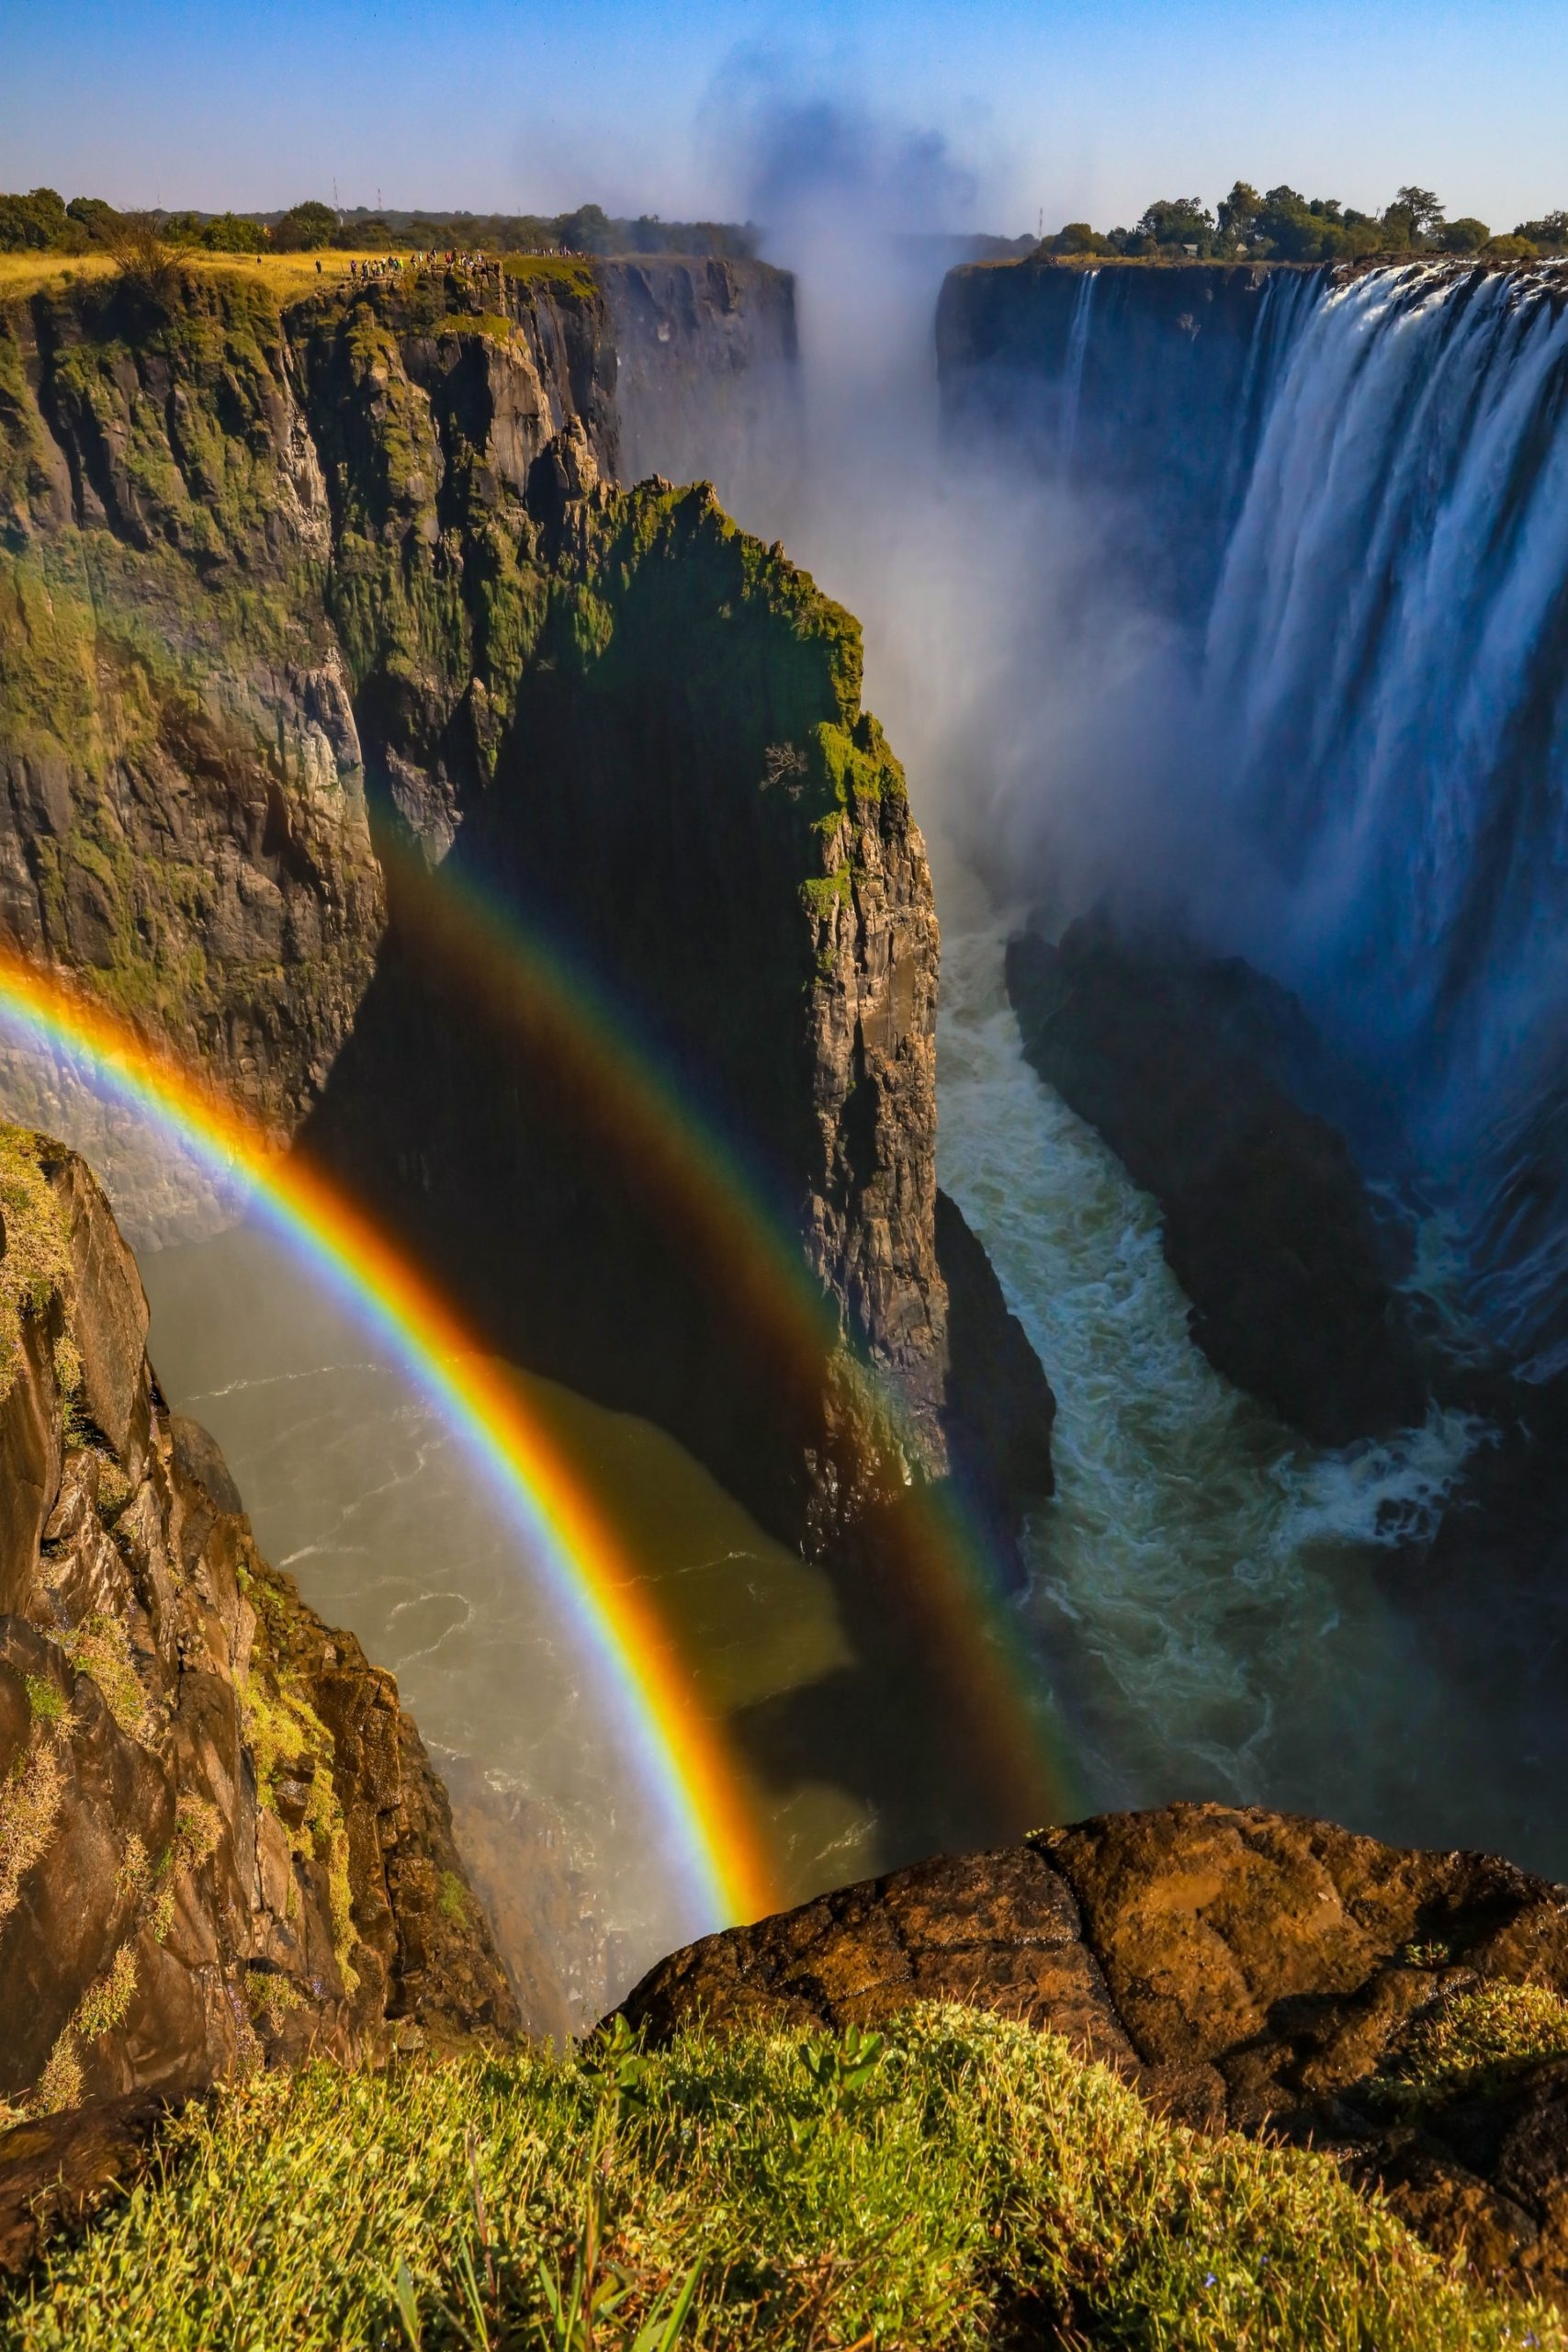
pixel 963 2182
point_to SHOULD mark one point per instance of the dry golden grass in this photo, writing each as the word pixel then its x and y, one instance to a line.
pixel 288 276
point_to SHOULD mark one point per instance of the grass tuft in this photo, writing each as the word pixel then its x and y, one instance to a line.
pixel 1473 2039
pixel 36 1262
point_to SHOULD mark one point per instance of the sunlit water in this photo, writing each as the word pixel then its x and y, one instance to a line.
pixel 1206 1588
pixel 355 1486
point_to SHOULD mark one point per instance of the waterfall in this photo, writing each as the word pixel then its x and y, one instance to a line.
pixel 1387 697
pixel 1072 376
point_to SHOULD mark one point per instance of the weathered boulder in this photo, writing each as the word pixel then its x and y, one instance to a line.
pixel 1405 2011
pixel 1269 1225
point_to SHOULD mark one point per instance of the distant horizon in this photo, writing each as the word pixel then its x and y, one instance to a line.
pixel 969 121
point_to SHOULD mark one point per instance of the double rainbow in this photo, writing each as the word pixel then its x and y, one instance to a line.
pixel 678 1757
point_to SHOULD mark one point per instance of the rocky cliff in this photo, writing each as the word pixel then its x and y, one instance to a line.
pixel 1190 1068
pixel 220 1840
pixel 1146 385
pixel 707 384
pixel 1405 2012
pixel 345 593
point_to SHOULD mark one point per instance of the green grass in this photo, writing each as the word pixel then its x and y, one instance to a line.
pixel 36 1261
pixel 967 2183
pixel 1475 2040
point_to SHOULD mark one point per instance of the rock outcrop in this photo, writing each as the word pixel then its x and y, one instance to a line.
pixel 1406 2012
pixel 220 1838
pixel 1268 1224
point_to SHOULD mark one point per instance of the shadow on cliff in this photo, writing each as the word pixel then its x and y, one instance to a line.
pixel 523 1184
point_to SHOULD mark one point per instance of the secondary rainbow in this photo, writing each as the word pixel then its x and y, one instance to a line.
pixel 682 1764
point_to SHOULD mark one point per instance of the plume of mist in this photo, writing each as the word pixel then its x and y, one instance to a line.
pixel 1035 697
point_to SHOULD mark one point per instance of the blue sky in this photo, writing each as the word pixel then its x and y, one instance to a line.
pixel 1079 109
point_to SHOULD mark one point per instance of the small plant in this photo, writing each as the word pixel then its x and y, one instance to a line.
pixel 134 1875
pixel 453 1901
pixel 60 2085
pixel 101 1649
pixel 270 1995
pixel 198 1830
pixel 104 2005
pixel 45 1699
pixel 838 2068
pixel 29 1800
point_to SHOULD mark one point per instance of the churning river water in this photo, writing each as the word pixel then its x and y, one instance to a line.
pixel 1209 1594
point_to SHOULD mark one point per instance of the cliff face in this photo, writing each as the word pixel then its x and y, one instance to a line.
pixel 350 582
pixel 1184 1064
pixel 1406 2012
pixel 220 1838
pixel 1151 380
pixel 707 382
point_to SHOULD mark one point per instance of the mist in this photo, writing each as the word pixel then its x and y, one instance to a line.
pixel 1039 701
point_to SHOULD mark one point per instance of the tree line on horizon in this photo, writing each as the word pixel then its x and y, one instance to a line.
pixel 1283 225
pixel 43 221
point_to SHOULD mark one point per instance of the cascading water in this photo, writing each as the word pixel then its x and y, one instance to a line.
pixel 1077 348
pixel 1387 709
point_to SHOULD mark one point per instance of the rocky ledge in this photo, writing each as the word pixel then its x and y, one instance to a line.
pixel 221 1842
pixel 1181 1064
pixel 1404 2012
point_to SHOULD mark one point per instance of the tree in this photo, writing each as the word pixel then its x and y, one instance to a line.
pixel 1413 216
pixel 1238 212
pixel 95 219
pixel 1078 237
pixel 33 222
pixel 1465 235
pixel 1179 221
pixel 305 227
pixel 586 231
pixel 1548 235
pixel 144 256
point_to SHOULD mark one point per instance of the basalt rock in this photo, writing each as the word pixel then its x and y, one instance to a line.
pixel 220 1840
pixel 1244 1970
pixel 1268 1224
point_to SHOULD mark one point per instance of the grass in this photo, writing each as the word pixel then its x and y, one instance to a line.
pixel 965 2183
pixel 286 275
pixel 36 1262
pixel 1475 2040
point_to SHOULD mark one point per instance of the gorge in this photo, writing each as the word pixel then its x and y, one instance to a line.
pixel 391 730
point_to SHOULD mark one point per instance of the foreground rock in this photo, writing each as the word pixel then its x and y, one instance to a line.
pixel 1268 1226
pixel 220 1840
pixel 1245 1969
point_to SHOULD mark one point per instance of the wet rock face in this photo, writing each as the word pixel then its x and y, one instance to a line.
pixel 1245 1970
pixel 707 375
pixel 1268 1226
pixel 220 1838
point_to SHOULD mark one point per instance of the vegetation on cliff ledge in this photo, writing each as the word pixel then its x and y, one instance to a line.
pixel 965 2183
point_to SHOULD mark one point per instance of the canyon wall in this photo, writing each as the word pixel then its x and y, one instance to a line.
pixel 707 385
pixel 220 1838
pixel 303 608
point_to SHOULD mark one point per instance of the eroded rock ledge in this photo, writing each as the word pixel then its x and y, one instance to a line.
pixel 1404 2012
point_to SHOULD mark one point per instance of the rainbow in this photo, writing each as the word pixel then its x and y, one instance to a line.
pixel 693 1784
pixel 643 1115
